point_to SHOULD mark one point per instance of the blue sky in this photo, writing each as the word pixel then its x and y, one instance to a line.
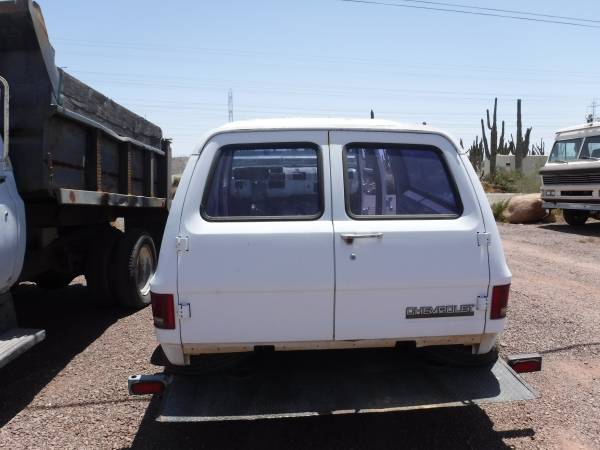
pixel 173 62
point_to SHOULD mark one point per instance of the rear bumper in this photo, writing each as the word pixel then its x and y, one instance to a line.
pixel 283 385
pixel 571 196
pixel 570 205
pixel 180 354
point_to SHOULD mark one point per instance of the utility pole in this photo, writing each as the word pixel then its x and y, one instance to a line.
pixel 230 104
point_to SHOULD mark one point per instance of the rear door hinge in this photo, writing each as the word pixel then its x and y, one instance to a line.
pixel 482 303
pixel 184 311
pixel 182 243
pixel 484 239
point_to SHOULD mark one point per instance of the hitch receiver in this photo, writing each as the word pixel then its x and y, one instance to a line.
pixel 528 362
pixel 147 384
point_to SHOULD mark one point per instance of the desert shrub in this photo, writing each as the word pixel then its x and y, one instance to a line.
pixel 505 181
pixel 528 184
pixel 498 209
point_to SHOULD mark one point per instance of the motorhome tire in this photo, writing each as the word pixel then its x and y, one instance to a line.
pixel 575 217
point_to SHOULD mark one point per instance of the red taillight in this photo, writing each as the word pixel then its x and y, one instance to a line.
pixel 147 387
pixel 499 301
pixel 525 363
pixel 163 310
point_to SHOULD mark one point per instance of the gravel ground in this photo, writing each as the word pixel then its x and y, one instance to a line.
pixel 70 391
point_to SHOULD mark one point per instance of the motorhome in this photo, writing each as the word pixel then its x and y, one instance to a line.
pixel 571 176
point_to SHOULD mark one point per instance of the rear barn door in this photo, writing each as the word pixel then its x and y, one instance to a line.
pixel 406 220
pixel 260 263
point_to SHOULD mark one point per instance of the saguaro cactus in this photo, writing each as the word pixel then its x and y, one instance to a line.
pixel 539 149
pixel 522 146
pixel 476 154
pixel 503 147
pixel 492 150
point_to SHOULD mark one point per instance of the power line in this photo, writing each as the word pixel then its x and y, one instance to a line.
pixel 467 119
pixel 303 57
pixel 472 13
pixel 325 91
pixel 273 109
pixel 413 70
pixel 512 11
pixel 332 59
pixel 206 106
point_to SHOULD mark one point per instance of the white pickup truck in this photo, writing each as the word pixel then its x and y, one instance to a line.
pixel 328 234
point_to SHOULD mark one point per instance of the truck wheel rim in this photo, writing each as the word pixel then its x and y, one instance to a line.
pixel 145 269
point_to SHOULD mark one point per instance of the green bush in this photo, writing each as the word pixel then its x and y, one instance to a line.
pixel 498 209
pixel 505 181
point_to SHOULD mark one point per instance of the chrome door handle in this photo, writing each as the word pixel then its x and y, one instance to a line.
pixel 349 237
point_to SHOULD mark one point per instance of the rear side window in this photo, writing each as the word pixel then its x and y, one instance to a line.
pixel 399 180
pixel 265 182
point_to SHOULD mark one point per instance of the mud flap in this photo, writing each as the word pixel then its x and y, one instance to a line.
pixel 347 382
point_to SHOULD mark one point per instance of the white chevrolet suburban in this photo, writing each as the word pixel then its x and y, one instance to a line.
pixel 301 234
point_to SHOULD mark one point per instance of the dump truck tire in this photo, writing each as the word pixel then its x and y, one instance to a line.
pixel 135 264
pixel 98 273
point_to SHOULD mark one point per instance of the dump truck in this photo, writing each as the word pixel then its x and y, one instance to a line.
pixel 72 163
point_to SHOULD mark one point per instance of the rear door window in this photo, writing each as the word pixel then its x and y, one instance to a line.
pixel 399 181
pixel 267 181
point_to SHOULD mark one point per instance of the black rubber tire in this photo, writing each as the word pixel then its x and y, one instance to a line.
pixel 575 217
pixel 98 266
pixel 460 356
pixel 127 268
pixel 54 279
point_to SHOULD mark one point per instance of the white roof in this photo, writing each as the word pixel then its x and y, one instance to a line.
pixel 321 124
pixel 582 127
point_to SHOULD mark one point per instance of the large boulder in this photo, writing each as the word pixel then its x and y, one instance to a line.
pixel 524 209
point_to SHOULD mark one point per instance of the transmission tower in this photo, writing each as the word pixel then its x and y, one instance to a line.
pixel 230 104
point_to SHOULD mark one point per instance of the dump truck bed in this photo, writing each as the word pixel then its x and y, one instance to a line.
pixel 66 137
pixel 298 384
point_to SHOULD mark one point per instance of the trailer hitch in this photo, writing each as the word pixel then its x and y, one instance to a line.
pixel 526 362
pixel 147 384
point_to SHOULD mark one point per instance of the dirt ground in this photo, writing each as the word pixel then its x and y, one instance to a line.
pixel 71 392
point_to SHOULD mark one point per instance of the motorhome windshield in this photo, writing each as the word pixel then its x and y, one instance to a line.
pixel 565 150
pixel 590 148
